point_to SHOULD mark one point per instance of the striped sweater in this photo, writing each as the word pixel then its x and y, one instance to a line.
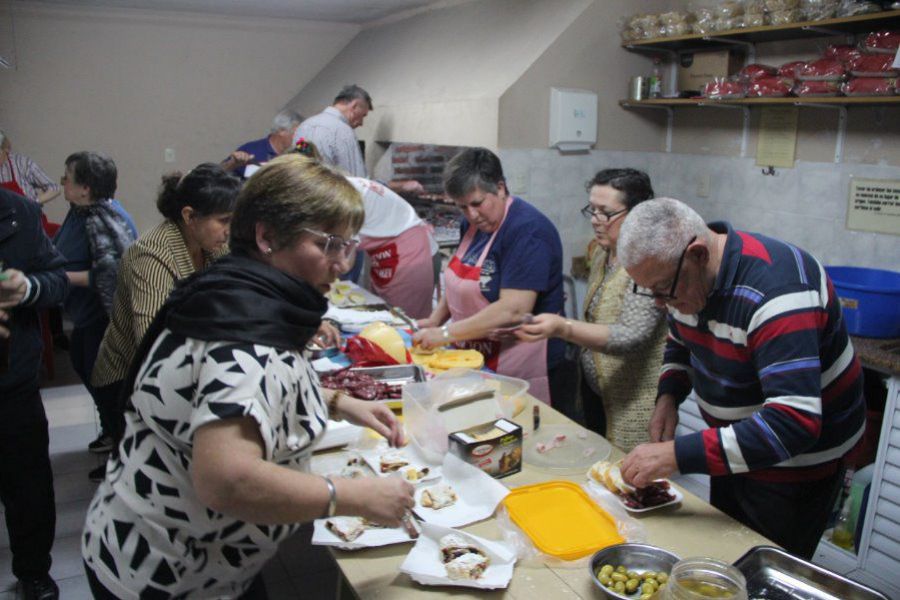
pixel 147 275
pixel 771 365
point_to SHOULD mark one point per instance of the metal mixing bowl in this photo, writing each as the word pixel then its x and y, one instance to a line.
pixel 635 557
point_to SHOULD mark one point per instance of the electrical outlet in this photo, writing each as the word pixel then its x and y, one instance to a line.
pixel 703 185
pixel 169 155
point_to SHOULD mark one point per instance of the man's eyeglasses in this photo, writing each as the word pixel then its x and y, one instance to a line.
pixel 589 212
pixel 671 293
pixel 335 245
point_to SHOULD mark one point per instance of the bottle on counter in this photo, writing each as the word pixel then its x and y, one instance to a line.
pixel 656 80
pixel 842 534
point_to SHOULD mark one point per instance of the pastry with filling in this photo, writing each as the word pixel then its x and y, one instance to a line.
pixel 439 496
pixel 346 528
pixel 413 474
pixel 453 546
pixel 467 566
pixel 393 461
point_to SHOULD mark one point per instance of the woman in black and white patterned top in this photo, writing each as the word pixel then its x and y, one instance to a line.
pixel 211 472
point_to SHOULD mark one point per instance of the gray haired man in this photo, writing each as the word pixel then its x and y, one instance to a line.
pixel 264 149
pixel 332 130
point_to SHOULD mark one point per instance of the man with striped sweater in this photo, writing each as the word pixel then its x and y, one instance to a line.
pixel 755 328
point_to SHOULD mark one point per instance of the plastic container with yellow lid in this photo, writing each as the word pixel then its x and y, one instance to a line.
pixel 561 519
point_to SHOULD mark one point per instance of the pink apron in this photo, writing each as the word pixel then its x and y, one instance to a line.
pixel 402 272
pixel 464 298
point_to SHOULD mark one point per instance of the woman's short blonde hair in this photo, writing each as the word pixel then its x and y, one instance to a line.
pixel 290 193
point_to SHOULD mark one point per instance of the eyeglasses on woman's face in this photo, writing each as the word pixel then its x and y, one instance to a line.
pixel 670 295
pixel 335 246
pixel 590 212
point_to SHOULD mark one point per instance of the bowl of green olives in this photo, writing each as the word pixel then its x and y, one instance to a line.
pixel 631 571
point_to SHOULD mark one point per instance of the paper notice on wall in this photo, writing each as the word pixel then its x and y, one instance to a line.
pixel 777 137
pixel 874 205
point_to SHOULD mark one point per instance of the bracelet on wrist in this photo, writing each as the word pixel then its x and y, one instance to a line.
pixel 445 331
pixel 332 499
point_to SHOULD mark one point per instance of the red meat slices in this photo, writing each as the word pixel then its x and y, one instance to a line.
pixel 360 385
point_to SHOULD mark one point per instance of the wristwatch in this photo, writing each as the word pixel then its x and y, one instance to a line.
pixel 332 499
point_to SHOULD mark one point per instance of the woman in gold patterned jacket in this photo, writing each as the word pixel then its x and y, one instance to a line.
pixel 623 334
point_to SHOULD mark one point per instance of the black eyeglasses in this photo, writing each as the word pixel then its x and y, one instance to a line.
pixel 335 245
pixel 671 294
pixel 589 212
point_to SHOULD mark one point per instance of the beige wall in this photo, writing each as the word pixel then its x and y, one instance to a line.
pixel 437 77
pixel 587 55
pixel 131 83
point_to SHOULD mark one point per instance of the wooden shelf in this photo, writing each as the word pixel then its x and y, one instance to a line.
pixel 808 101
pixel 770 33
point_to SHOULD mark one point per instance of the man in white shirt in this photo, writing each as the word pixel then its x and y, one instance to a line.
pixel 332 130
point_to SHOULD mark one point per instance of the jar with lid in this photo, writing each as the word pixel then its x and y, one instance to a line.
pixel 703 578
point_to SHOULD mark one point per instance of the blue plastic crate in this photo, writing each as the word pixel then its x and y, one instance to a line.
pixel 870 299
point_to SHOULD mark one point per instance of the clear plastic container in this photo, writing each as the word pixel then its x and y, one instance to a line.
pixel 704 578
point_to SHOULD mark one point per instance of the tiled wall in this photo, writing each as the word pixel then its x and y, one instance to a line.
pixel 806 205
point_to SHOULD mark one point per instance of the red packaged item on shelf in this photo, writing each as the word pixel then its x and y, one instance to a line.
pixel 870 86
pixel 754 71
pixel 724 89
pixel 872 65
pixel 770 87
pixel 817 88
pixel 841 52
pixel 789 69
pixel 824 69
pixel 883 42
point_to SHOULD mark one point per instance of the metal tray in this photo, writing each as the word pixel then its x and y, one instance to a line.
pixel 394 374
pixel 773 574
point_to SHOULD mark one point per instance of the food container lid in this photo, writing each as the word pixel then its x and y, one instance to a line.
pixel 561 519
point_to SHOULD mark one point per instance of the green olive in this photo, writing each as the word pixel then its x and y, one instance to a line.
pixel 620 587
pixel 604 579
pixel 606 570
pixel 619 577
pixel 647 588
pixel 631 585
pixel 633 575
pixel 645 596
pixel 621 569
pixel 648 575
pixel 662 577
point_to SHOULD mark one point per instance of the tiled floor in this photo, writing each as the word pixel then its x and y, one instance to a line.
pixel 297 571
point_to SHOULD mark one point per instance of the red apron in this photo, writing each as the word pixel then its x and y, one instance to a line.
pixel 402 272
pixel 13 186
pixel 464 298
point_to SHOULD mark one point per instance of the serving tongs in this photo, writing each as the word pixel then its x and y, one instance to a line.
pixel 401 314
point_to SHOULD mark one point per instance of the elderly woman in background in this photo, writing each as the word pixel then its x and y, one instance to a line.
pixel 197 211
pixel 508 265
pixel 93 237
pixel 225 407
pixel 623 334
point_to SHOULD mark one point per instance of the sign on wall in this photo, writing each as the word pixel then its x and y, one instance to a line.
pixel 874 205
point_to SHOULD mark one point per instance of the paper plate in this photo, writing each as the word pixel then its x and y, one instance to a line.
pixel 576 453
pixel 601 490
pixel 561 519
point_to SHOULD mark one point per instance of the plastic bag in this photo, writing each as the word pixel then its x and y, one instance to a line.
pixel 770 87
pixel 870 86
pixel 724 89
pixel 872 65
pixel 885 42
pixel 777 5
pixel 629 528
pixel 789 69
pixel 364 353
pixel 818 10
pixel 729 8
pixel 784 17
pixel 817 88
pixel 824 69
pixel 849 8
pixel 841 52
pixel 755 71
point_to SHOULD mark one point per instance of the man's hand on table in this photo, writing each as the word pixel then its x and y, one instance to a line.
pixel 664 419
pixel 649 462
pixel 328 336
